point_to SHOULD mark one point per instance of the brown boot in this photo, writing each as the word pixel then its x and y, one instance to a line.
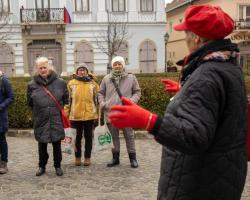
pixel 78 161
pixel 3 167
pixel 86 162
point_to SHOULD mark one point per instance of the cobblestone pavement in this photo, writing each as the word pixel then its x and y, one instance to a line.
pixel 96 182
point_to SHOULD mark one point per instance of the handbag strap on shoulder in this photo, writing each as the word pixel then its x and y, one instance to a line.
pixel 116 87
pixel 52 97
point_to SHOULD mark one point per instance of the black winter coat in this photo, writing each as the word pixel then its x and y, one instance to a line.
pixel 6 98
pixel 203 132
pixel 46 115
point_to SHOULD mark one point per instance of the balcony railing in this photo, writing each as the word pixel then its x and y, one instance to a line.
pixel 48 15
pixel 242 24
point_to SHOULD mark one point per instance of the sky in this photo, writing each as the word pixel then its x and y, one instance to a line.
pixel 168 1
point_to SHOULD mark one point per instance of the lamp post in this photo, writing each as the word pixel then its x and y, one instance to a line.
pixel 166 37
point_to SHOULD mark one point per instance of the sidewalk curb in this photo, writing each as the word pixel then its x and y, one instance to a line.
pixel 30 133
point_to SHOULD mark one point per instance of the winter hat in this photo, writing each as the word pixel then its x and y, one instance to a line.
pixel 82 66
pixel 118 59
pixel 206 21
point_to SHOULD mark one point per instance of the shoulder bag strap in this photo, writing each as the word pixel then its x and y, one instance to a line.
pixel 116 87
pixel 52 97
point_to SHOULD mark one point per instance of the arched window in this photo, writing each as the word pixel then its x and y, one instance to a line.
pixel 148 57
pixel 123 51
pixel 84 54
pixel 6 59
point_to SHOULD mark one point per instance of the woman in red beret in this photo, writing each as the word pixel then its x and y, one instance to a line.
pixel 203 131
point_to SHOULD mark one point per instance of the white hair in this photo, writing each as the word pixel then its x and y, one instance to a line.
pixel 193 35
pixel 44 59
pixel 40 60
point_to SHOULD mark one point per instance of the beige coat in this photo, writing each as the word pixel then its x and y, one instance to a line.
pixel 107 96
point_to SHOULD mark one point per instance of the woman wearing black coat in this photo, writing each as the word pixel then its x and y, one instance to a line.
pixel 203 131
pixel 6 98
pixel 48 127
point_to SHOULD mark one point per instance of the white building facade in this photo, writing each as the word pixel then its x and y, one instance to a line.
pixel 37 28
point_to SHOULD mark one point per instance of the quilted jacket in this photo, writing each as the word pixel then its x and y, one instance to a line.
pixel 47 120
pixel 203 131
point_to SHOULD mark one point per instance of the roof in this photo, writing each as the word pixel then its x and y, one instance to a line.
pixel 176 4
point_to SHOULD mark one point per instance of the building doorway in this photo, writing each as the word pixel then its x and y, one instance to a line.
pixel 48 48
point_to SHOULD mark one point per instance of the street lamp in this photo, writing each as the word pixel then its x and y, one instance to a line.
pixel 166 37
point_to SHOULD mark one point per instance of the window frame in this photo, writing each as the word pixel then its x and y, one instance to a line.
pixel 42 4
pixel 118 10
pixel 82 10
pixel 146 10
pixel 2 7
pixel 243 11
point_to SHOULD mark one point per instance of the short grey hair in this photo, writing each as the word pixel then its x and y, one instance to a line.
pixel 202 39
pixel 44 59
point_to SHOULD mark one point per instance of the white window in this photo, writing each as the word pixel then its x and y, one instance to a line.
pixel 4 6
pixel 147 5
pixel 118 5
pixel 81 5
pixel 244 12
pixel 41 4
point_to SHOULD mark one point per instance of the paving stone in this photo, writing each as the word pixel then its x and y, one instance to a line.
pixel 96 182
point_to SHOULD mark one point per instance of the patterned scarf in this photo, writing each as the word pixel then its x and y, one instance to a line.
pixel 117 75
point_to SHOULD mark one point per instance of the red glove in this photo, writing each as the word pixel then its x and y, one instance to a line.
pixel 130 115
pixel 171 86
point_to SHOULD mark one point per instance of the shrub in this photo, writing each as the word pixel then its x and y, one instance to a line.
pixel 153 97
pixel 20 116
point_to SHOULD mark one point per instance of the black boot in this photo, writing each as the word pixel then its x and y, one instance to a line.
pixel 115 160
pixel 40 171
pixel 133 161
pixel 59 171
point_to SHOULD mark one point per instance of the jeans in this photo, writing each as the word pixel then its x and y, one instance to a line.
pixel 3 147
pixel 87 126
pixel 44 156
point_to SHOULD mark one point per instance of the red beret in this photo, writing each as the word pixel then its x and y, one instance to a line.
pixel 206 21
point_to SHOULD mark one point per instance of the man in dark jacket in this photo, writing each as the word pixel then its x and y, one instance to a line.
pixel 6 98
pixel 48 127
pixel 203 131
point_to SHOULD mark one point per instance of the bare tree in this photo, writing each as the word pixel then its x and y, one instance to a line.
pixel 4 20
pixel 111 41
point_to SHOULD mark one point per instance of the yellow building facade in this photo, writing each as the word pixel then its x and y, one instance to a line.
pixel 239 10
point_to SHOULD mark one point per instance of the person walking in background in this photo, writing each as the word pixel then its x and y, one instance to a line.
pixel 6 98
pixel 204 129
pixel 108 96
pixel 47 122
pixel 83 110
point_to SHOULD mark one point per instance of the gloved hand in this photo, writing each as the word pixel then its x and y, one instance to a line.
pixel 171 86
pixel 130 115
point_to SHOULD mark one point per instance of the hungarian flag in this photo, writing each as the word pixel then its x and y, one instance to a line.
pixel 67 19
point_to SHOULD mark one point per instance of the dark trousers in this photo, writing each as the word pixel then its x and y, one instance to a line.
pixel 87 126
pixel 3 147
pixel 44 156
